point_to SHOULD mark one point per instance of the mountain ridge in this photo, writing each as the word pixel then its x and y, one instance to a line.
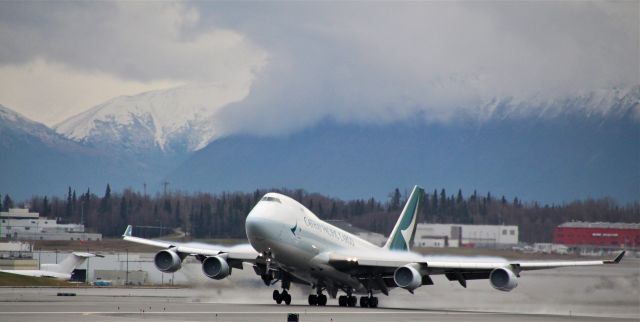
pixel 182 120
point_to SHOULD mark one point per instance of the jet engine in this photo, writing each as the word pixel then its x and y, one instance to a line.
pixel 503 279
pixel 408 277
pixel 167 261
pixel 216 267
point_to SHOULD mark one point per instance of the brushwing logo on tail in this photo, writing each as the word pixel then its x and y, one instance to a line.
pixel 405 231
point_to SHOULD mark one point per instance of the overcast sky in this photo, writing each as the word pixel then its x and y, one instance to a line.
pixel 353 62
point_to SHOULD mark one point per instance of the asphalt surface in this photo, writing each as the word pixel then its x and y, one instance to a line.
pixel 605 293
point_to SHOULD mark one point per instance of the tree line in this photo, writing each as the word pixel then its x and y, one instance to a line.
pixel 222 215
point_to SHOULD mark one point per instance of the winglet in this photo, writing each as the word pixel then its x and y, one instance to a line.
pixel 617 259
pixel 127 232
pixel 87 255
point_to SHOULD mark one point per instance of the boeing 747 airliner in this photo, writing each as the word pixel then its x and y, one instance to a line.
pixel 289 244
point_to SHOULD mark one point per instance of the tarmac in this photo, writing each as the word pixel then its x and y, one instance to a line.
pixel 604 293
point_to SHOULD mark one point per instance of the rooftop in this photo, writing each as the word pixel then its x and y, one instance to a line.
pixel 612 225
pixel 19 213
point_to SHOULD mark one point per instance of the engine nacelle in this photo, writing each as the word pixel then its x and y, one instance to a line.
pixel 167 261
pixel 216 267
pixel 408 277
pixel 503 279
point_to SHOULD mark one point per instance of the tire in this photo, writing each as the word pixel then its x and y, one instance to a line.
pixel 364 301
pixel 342 300
pixel 352 301
pixel 322 300
pixel 276 295
pixel 287 298
pixel 373 302
pixel 313 300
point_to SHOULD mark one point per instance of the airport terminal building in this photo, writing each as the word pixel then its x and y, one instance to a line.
pixel 21 224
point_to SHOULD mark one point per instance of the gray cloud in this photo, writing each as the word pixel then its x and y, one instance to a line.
pixel 352 62
pixel 383 62
pixel 142 41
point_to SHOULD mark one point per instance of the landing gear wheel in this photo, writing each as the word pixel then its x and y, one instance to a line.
pixel 343 300
pixel 286 298
pixel 364 301
pixel 322 300
pixel 313 300
pixel 352 301
pixel 373 302
pixel 276 295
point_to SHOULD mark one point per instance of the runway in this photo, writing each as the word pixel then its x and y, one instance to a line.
pixel 94 304
pixel 602 293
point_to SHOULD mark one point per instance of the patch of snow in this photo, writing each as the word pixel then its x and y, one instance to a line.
pixel 177 114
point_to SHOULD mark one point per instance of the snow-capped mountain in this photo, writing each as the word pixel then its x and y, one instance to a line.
pixel 37 160
pixel 182 119
pixel 16 129
pixel 615 102
pixel 172 120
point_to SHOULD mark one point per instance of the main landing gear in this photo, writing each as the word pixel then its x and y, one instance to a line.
pixel 319 299
pixel 282 297
pixel 369 301
pixel 347 300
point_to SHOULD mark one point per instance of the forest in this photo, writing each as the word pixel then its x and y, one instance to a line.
pixel 221 216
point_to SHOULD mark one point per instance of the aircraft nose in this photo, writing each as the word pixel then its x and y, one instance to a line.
pixel 253 228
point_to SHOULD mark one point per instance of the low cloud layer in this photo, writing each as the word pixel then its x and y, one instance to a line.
pixel 352 62
pixel 140 45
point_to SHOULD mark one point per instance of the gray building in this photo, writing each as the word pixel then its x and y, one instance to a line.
pixel 457 235
pixel 21 224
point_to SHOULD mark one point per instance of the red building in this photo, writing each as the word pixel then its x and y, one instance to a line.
pixel 600 234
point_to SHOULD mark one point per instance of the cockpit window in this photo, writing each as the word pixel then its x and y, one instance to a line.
pixel 267 198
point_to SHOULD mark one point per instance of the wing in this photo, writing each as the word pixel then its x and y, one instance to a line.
pixel 238 253
pixel 384 264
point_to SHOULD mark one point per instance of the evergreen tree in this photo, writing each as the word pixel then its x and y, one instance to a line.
pixel 7 202
pixel 395 199
pixel 68 205
pixel 105 203
pixel 74 203
pixel 443 200
pixel 434 201
pixel 124 211
pixel 1 208
pixel 45 207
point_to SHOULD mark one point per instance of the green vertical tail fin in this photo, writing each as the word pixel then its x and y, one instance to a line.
pixel 403 233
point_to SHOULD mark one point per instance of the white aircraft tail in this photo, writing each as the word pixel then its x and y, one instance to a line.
pixel 68 264
pixel 402 235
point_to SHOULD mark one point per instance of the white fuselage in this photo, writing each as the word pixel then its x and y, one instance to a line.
pixel 299 241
